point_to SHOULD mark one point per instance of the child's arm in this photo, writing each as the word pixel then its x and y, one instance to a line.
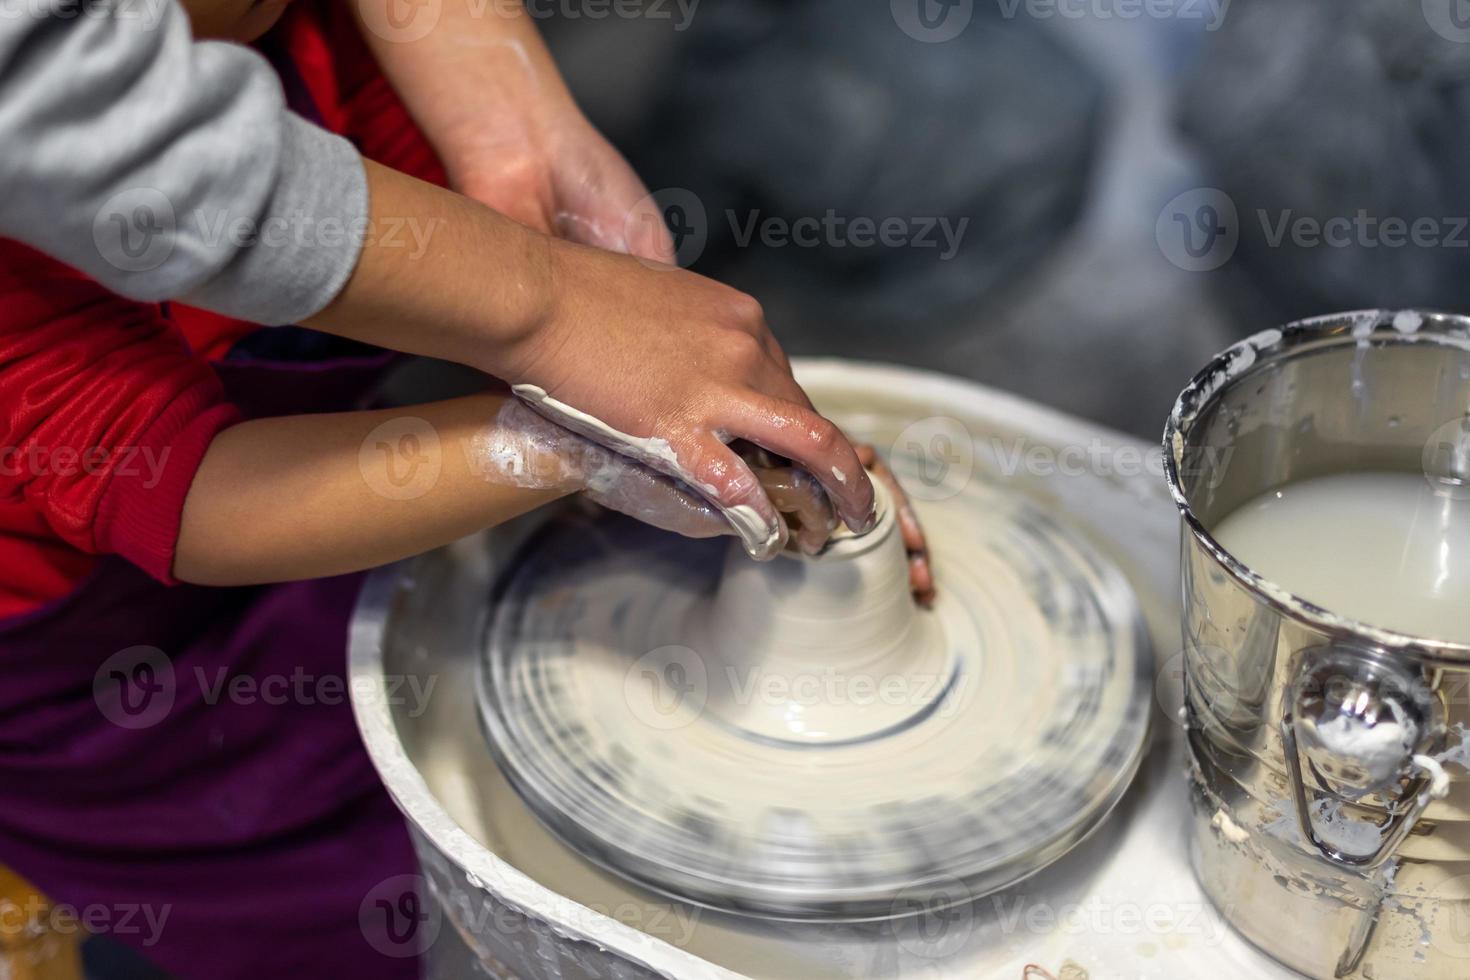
pixel 314 495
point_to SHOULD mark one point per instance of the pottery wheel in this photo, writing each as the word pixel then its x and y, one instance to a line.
pixel 796 739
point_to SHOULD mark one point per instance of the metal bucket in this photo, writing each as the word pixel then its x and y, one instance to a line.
pixel 1338 865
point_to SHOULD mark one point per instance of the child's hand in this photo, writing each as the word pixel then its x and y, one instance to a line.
pixel 522 449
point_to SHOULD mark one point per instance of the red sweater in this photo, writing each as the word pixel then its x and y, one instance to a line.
pixel 108 405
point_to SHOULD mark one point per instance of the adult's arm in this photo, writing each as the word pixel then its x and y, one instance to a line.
pixel 484 89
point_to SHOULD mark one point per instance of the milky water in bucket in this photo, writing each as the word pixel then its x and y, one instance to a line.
pixel 1388 549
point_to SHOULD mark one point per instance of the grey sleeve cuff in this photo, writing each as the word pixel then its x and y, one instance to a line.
pixel 309 236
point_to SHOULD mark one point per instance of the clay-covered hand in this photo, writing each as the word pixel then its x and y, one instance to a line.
pixel 808 513
pixel 522 449
pixel 683 365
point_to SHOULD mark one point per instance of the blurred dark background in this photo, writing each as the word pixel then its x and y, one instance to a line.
pixel 1129 185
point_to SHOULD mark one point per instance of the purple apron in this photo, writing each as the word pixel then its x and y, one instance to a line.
pixel 181 766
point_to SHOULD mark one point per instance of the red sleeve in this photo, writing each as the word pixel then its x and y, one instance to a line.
pixel 105 414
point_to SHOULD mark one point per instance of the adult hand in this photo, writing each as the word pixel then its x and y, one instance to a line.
pixel 490 99
pixel 560 176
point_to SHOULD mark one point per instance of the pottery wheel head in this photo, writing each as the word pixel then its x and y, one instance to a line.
pixel 796 739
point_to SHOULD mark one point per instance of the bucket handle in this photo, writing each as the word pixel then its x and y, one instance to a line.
pixel 1376 685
